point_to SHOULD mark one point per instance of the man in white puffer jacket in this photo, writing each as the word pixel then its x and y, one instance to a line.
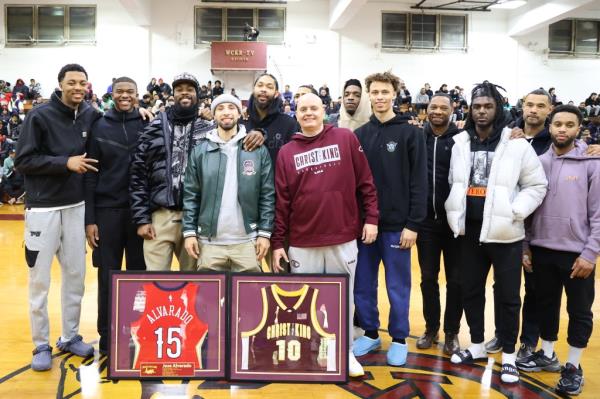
pixel 495 184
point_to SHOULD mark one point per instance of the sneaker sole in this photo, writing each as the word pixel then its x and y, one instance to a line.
pixel 494 350
pixel 427 347
pixel 479 359
pixel 537 369
pixel 573 393
pixel 87 354
pixel 365 352
pixel 41 369
pixel 355 375
pixel 396 365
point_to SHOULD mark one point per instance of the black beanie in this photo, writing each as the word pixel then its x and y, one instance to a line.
pixel 352 82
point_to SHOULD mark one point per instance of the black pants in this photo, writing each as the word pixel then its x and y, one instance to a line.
pixel 117 234
pixel 435 238
pixel 530 331
pixel 477 258
pixel 552 270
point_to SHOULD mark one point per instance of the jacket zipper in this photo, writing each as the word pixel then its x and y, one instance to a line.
pixel 434 162
pixel 212 217
pixel 125 131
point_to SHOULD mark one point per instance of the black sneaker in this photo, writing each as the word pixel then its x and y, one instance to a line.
pixel 571 380
pixel 524 352
pixel 493 345
pixel 538 362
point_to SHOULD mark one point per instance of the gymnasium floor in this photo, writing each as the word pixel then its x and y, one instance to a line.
pixel 427 374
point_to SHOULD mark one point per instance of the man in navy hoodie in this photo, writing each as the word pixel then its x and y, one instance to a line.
pixel 109 229
pixel 398 159
pixel 318 176
pixel 52 157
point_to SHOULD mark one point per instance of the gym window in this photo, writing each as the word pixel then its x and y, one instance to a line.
pixel 52 25
pixel 227 24
pixel 578 37
pixel 423 31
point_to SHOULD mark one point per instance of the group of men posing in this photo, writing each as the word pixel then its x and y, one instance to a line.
pixel 226 194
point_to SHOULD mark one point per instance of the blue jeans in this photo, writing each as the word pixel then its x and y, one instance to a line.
pixel 396 262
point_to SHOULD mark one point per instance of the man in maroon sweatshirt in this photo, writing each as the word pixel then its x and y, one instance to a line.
pixel 319 175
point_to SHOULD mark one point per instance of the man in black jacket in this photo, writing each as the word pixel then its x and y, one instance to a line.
pixel 264 109
pixel 109 228
pixel 51 155
pixel 157 171
pixel 398 160
pixel 435 237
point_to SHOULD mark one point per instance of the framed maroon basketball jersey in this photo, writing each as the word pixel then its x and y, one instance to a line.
pixel 289 328
pixel 289 334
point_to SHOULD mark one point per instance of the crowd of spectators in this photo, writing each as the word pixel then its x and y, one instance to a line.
pixel 17 99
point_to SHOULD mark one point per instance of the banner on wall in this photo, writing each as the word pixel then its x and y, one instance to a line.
pixel 238 56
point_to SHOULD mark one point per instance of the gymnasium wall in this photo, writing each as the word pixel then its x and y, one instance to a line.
pixel 312 53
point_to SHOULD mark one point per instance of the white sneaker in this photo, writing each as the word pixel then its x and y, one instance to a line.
pixel 354 367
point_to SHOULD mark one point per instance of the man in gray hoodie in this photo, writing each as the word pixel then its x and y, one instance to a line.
pixel 562 248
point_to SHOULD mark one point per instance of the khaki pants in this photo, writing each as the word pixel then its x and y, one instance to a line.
pixel 158 253
pixel 229 258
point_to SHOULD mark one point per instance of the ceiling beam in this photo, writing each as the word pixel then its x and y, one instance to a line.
pixel 139 10
pixel 342 11
pixel 542 13
pixel 457 5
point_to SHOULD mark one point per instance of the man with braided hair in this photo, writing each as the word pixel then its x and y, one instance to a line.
pixel 495 184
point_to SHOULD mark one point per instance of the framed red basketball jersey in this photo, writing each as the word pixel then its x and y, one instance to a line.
pixel 168 325
pixel 289 327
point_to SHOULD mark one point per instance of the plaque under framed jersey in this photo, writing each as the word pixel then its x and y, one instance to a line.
pixel 168 325
pixel 289 328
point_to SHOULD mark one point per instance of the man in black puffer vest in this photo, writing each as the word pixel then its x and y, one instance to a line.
pixel 157 171
pixel 108 225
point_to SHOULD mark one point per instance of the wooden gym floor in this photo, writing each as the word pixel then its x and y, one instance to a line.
pixel 427 374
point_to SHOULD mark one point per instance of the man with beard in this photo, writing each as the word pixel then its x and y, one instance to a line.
pixel 564 243
pixel 435 237
pixel 397 158
pixel 264 110
pixel 109 229
pixel 229 198
pixel 495 184
pixel 54 209
pixel 537 105
pixel 320 174
pixel 157 173
pixel 353 113
pixel 533 127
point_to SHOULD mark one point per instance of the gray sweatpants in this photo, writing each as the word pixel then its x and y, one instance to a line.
pixel 60 233
pixel 332 259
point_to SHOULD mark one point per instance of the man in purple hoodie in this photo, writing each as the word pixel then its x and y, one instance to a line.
pixel 563 244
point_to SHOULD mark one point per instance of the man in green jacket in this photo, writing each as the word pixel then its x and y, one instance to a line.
pixel 229 196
